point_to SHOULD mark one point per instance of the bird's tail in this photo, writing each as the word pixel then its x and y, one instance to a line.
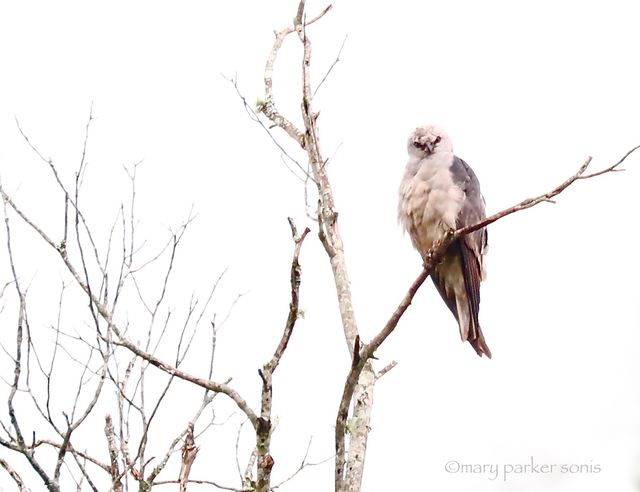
pixel 478 343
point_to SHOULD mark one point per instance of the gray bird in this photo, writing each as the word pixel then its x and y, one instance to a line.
pixel 440 192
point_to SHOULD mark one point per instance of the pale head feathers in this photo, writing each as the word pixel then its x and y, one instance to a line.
pixel 427 140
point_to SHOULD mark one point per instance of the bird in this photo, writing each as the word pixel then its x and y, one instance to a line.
pixel 439 193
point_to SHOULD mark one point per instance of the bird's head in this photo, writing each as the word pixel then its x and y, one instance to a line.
pixel 427 140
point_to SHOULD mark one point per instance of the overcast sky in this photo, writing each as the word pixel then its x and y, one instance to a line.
pixel 526 91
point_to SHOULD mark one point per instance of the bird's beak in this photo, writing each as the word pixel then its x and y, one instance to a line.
pixel 424 146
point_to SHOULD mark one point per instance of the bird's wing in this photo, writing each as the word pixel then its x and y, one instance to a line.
pixel 472 210
pixel 473 246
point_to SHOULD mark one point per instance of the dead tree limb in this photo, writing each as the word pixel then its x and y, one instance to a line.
pixel 264 459
pixel 112 446
pixel 328 232
pixel 15 476
pixel 189 452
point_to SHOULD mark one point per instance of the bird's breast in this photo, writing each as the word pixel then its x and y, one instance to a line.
pixel 429 201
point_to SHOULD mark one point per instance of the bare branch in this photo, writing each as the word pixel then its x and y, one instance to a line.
pixel 114 469
pixel 21 444
pixel 202 482
pixel 268 106
pixel 386 369
pixel 156 471
pixel 70 449
pixel 614 167
pixel 335 62
pixel 254 116
pixel 247 478
pixel 14 475
pixel 189 452
pixel 263 432
pixel 295 280
pixel 122 340
pixel 303 464
pixel 327 217
pixel 62 451
pixel 327 214
pixel 546 197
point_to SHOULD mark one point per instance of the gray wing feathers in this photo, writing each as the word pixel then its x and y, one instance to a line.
pixel 472 210
pixel 474 244
pixel 471 248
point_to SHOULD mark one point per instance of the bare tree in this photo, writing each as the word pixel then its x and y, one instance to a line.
pixel 123 370
pixel 111 351
pixel 357 399
pixel 96 356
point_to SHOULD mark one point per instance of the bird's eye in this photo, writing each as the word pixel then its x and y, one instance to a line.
pixel 437 140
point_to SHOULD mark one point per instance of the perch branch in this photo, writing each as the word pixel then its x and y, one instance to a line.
pixel 360 358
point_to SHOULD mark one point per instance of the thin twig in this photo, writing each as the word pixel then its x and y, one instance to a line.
pixel 303 464
pixel 335 62
pixel 203 482
pixel 386 369
pixel 254 116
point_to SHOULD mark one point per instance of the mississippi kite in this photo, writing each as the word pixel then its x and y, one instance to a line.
pixel 440 192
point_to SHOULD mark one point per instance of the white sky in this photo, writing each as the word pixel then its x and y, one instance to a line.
pixel 526 93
